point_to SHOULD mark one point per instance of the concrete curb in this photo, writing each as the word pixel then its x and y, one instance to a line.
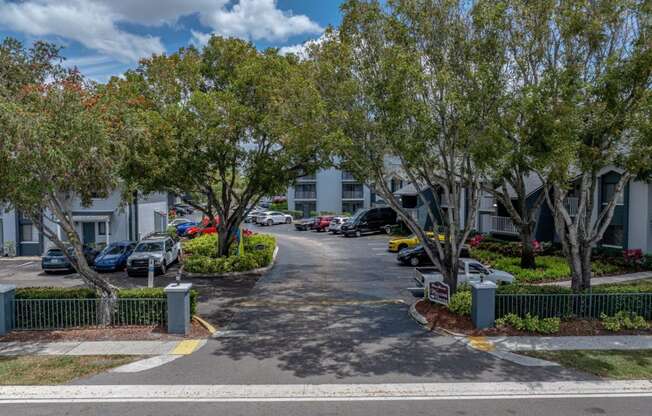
pixel 254 272
pixel 210 328
pixel 414 314
pixel 144 348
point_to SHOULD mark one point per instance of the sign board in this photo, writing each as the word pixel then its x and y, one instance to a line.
pixel 438 292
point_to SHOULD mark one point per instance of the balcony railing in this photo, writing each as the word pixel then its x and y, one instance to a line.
pixel 352 195
pixel 305 195
pixel 571 203
pixel 503 225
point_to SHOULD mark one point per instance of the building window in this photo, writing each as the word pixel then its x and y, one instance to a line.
pixel 305 191
pixel 305 207
pixel 608 191
pixel 614 236
pixel 395 184
pixel 352 191
pixel 101 228
pixel 28 233
pixel 347 176
pixel 351 207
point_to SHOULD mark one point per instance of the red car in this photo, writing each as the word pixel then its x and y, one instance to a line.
pixel 322 223
pixel 205 228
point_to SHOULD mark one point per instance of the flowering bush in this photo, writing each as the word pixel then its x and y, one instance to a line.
pixel 633 257
pixel 476 240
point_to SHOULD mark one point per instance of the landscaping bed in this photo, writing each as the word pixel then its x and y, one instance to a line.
pixel 200 255
pixel 439 316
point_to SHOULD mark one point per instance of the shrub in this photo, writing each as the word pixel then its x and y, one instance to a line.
pixel 530 323
pixel 295 214
pixel 623 320
pixel 278 206
pixel 55 293
pixel 460 303
pixel 258 252
pixel 172 232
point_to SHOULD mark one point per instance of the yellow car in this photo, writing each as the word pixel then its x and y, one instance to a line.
pixel 399 244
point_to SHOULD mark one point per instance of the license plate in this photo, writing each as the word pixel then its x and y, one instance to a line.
pixel 56 261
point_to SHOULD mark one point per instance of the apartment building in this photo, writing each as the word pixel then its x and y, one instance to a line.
pixel 329 190
pixel 106 220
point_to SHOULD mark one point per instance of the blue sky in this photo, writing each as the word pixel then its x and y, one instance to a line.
pixel 105 37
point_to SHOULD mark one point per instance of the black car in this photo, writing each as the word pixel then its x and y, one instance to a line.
pixel 372 220
pixel 55 260
pixel 304 224
pixel 417 256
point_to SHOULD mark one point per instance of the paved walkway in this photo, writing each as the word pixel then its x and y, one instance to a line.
pixel 184 347
pixel 609 342
pixel 620 278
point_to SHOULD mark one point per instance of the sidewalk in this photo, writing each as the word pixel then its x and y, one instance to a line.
pixel 609 342
pixel 621 278
pixel 184 347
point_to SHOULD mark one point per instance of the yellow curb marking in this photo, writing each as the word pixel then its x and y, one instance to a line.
pixel 210 328
pixel 186 347
pixel 481 343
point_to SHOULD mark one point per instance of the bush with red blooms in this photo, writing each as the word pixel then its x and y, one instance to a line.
pixel 476 240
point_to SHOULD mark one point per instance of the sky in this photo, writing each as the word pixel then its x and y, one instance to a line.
pixel 106 37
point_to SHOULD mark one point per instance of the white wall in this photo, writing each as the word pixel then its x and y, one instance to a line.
pixel 147 205
pixel 638 230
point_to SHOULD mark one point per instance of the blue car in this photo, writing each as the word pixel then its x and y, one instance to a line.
pixel 114 256
pixel 182 228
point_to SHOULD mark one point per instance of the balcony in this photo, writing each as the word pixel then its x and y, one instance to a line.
pixel 305 195
pixel 502 225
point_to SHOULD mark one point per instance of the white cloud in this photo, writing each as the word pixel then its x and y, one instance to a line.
pixel 91 24
pixel 301 49
pixel 258 19
pixel 96 23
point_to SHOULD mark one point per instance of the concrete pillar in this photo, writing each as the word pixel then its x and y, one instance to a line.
pixel 483 304
pixel 107 226
pixel 7 294
pixel 178 295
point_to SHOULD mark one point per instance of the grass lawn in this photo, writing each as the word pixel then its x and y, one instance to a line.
pixel 31 370
pixel 622 365
pixel 549 268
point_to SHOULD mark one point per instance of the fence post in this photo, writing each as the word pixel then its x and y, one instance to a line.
pixel 178 295
pixel 7 294
pixel 483 304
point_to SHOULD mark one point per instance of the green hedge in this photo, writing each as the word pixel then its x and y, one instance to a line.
pixel 258 252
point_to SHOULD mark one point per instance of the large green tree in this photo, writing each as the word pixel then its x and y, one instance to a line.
pixel 226 125
pixel 409 85
pixel 59 140
pixel 596 80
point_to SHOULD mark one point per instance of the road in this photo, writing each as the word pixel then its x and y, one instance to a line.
pixel 333 310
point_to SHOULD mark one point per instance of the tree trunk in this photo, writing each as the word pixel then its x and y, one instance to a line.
pixel 224 240
pixel 587 271
pixel 528 260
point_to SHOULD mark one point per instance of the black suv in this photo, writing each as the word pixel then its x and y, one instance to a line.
pixel 370 220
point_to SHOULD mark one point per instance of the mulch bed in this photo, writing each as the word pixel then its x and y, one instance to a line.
pixel 439 316
pixel 139 333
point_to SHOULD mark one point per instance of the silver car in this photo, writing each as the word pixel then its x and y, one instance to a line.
pixel 164 250
pixel 336 224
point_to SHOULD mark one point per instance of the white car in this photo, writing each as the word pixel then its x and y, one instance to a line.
pixel 178 221
pixel 470 270
pixel 163 250
pixel 273 217
pixel 336 224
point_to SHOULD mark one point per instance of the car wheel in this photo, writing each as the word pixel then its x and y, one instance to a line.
pixel 358 233
pixel 414 261
pixel 270 222
pixel 288 220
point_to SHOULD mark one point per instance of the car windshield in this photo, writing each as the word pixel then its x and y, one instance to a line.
pixel 357 215
pixel 111 250
pixel 149 247
pixel 55 253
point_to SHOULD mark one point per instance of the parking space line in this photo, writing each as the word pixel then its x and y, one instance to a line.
pixel 25 264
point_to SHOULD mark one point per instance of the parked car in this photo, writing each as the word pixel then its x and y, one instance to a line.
pixel 469 270
pixel 304 224
pixel 164 250
pixel 417 256
pixel 322 223
pixel 273 217
pixel 182 228
pixel 370 220
pixel 183 209
pixel 335 225
pixel 397 244
pixel 193 232
pixel 178 221
pixel 114 256
pixel 56 260
pixel 251 217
